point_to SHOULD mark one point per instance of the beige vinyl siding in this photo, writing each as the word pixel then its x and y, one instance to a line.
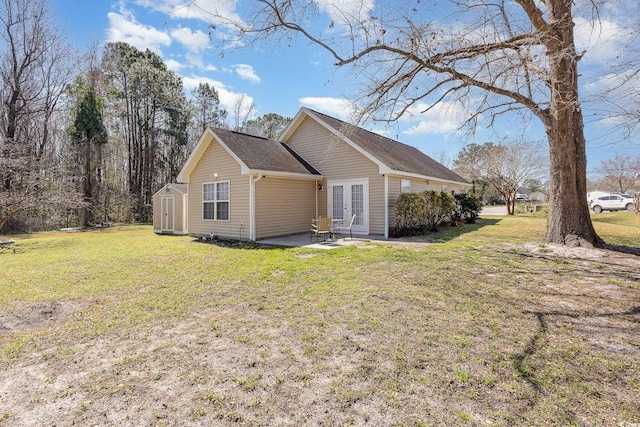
pixel 417 186
pixel 157 214
pixel 284 206
pixel 216 160
pixel 338 161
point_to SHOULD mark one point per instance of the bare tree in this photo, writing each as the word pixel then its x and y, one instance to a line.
pixel 620 173
pixel 498 56
pixel 505 166
pixel 241 111
pixel 34 69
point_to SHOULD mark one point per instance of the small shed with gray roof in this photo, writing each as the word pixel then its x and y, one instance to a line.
pixel 170 209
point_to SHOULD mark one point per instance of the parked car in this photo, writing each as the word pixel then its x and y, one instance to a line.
pixel 522 197
pixel 612 202
pixel 591 196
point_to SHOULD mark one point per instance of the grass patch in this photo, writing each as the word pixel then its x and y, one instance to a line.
pixel 489 326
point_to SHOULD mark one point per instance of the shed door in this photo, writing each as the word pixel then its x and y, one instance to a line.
pixel 347 198
pixel 168 213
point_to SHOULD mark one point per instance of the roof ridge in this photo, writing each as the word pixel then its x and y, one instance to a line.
pixel 363 129
pixel 243 133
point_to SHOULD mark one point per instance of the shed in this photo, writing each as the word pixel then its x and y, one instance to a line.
pixel 170 209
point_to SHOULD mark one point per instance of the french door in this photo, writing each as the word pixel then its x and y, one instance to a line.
pixel 347 198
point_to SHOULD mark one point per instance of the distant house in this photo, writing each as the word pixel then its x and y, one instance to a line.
pixel 538 196
pixel 170 209
pixel 248 188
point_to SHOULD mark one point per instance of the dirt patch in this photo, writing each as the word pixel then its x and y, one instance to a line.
pixel 38 315
pixel 412 347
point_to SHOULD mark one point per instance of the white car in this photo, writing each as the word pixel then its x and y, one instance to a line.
pixel 612 202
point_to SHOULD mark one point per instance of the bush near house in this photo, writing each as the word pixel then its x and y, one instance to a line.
pixel 468 207
pixel 419 213
pixel 439 208
pixel 410 215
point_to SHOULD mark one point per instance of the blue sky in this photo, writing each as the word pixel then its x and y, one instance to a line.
pixel 285 76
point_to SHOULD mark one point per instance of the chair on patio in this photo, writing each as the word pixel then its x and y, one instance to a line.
pixel 321 227
pixel 340 228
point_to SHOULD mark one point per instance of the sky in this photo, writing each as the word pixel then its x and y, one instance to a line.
pixel 282 77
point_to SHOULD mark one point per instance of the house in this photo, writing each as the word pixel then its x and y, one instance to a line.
pixel 170 209
pixel 248 188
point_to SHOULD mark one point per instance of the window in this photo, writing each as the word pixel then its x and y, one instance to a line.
pixel 405 186
pixel 215 201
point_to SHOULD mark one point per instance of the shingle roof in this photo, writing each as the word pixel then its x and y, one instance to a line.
pixel 183 188
pixel 396 155
pixel 265 154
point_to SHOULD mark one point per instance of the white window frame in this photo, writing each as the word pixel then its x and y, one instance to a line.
pixel 215 200
pixel 405 186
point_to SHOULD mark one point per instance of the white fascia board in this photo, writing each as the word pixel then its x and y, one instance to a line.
pixel 381 166
pixel 195 156
pixel 293 175
pixel 401 174
pixel 293 125
pixel 198 152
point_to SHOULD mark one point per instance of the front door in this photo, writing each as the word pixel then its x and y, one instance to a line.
pixel 347 198
pixel 167 213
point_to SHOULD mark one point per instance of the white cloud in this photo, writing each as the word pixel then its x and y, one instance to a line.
pixel 123 27
pixel 219 12
pixel 193 41
pixel 174 65
pixel 246 72
pixel 342 12
pixel 602 40
pixel 342 109
pixel 228 98
pixel 443 118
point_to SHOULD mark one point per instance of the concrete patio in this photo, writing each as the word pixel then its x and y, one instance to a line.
pixel 302 240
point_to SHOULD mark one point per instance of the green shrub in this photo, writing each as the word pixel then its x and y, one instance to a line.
pixel 468 207
pixel 440 207
pixel 410 215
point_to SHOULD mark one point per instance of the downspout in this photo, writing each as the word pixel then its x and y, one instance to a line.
pixel 386 206
pixel 316 198
pixel 252 206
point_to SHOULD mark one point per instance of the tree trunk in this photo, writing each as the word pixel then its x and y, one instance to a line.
pixel 569 221
pixel 88 189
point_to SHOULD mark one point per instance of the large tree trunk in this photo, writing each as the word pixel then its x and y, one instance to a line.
pixel 569 221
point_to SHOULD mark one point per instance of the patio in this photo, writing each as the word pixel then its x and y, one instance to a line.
pixel 302 240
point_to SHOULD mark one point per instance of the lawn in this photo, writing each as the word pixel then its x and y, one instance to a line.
pixel 488 326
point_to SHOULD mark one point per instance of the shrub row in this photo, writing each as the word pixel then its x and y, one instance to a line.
pixel 419 213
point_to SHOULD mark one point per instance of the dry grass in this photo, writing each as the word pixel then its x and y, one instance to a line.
pixel 122 327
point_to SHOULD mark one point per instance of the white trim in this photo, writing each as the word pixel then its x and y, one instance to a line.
pixel 200 149
pixel 401 174
pixel 277 174
pixel 386 206
pixel 163 212
pixel 287 133
pixel 171 186
pixel 216 201
pixel 349 182
pixel 252 206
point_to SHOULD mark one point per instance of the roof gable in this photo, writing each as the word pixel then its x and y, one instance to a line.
pixel 180 188
pixel 391 156
pixel 253 154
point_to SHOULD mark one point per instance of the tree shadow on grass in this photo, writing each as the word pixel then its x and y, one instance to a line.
pixel 445 234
